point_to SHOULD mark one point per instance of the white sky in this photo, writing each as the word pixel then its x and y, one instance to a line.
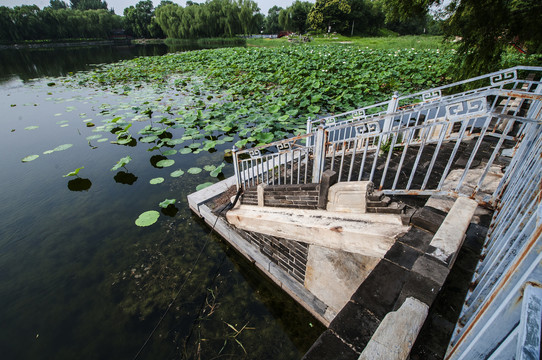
pixel 119 5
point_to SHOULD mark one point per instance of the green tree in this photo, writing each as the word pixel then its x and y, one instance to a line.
pixel 57 4
pixel 271 24
pixel 138 19
pixel 485 27
pixel 294 17
pixel 366 18
pixel 329 15
pixel 88 4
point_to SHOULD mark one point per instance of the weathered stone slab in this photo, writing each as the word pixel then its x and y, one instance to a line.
pixel 380 290
pixel 397 333
pixel 349 196
pixel 365 234
pixel 355 325
pixel 449 237
pixel 334 275
pixel 428 218
pixel 329 346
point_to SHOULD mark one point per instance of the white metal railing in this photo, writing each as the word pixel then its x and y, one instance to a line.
pixel 501 318
pixel 411 150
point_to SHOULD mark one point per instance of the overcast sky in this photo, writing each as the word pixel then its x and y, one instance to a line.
pixel 119 5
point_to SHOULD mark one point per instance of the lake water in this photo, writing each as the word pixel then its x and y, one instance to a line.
pixel 78 279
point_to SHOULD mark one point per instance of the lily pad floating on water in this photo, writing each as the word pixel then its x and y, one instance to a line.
pixel 157 180
pixel 169 152
pixel 149 139
pixel 203 186
pixel 165 163
pixel 30 158
pixel 93 137
pixel 194 170
pixel 185 151
pixel 34 127
pixel 164 204
pixel 177 173
pixel 147 218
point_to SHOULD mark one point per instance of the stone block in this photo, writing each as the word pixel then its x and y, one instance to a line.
pixel 419 287
pixel 428 218
pixel 417 238
pixel 403 255
pixel 431 268
pixel 329 346
pixel 379 292
pixel 329 178
pixel 397 333
pixel 449 237
pixel 349 196
pixel 355 325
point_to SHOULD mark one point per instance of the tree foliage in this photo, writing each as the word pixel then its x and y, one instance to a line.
pixel 329 15
pixel 485 28
pixel 213 18
pixel 28 22
pixel 139 21
pixel 294 17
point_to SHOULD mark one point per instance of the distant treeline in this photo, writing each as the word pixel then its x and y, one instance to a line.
pixel 214 18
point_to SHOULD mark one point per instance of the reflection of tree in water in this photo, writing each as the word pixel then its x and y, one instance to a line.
pixel 59 61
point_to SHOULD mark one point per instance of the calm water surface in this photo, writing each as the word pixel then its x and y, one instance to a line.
pixel 78 279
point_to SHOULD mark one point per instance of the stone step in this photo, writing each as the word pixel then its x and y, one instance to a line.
pixel 375 196
pixel 383 202
pixel 393 208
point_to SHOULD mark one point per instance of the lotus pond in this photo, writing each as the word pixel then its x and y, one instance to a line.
pixel 100 256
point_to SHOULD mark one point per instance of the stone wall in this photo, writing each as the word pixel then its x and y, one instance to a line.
pixel 304 196
pixel 291 256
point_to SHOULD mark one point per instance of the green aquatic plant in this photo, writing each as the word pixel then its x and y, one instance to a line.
pixel 74 173
pixel 30 158
pixel 194 170
pixel 165 163
pixel 164 204
pixel 156 180
pixel 177 173
pixel 121 163
pixel 147 218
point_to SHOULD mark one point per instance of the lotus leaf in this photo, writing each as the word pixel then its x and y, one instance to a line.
pixel 165 163
pixel 177 173
pixel 169 152
pixel 30 158
pixel 185 151
pixel 74 173
pixel 194 170
pixel 203 186
pixel 164 204
pixel 34 127
pixel 121 163
pixel 147 218
pixel 157 180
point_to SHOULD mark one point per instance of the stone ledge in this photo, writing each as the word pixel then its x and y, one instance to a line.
pixel 397 333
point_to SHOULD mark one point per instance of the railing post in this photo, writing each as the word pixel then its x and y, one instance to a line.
pixel 309 130
pixel 236 165
pixel 319 154
pixel 388 121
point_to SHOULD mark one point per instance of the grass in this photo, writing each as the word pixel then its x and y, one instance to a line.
pixel 391 42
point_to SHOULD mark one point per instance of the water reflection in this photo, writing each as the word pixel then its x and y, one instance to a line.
pixel 79 184
pixel 125 178
pixel 31 63
pixel 171 211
